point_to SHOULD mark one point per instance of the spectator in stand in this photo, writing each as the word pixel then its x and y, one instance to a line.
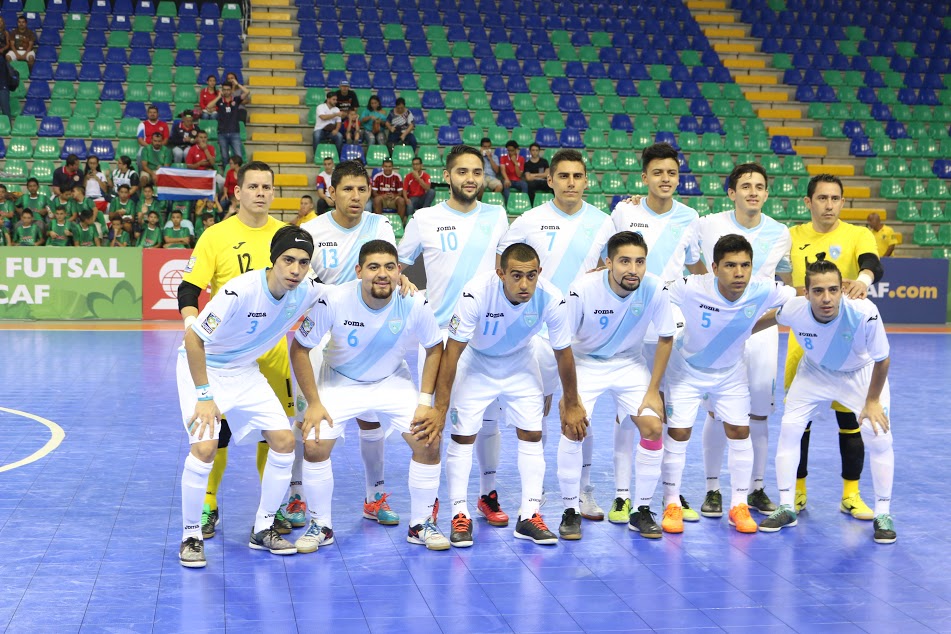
pixel 7 208
pixel 388 191
pixel 417 189
pixel 59 229
pixel 67 176
pixel 151 236
pixel 347 99
pixel 327 123
pixel 39 203
pixel 85 232
pixel 125 175
pixel 306 211
pixel 120 235
pixel 64 201
pixel 97 183
pixel 201 156
pixel 373 120
pixel 490 168
pixel 227 200
pixel 4 38
pixel 208 94
pixel 513 170
pixel 400 124
pixel 22 43
pixel 184 137
pixel 352 132
pixel 153 157
pixel 177 236
pixel 236 88
pixel 150 126
pixel 81 204
pixel 122 204
pixel 324 202
pixel 536 172
pixel 27 234
pixel 6 75
pixel 150 203
pixel 207 220
pixel 227 106
pixel 885 237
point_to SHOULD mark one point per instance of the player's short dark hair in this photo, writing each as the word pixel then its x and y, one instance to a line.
pixel 535 145
pixel 149 186
pixel 26 211
pixel 253 166
pixel 86 214
pixel 731 243
pixel 152 106
pixel 348 168
pixel 457 152
pixel 520 252
pixel 657 152
pixel 623 239
pixel 373 247
pixel 237 160
pixel 823 178
pixel 32 180
pixel 820 266
pixel 563 156
pixel 4 187
pixel 742 170
pixel 416 158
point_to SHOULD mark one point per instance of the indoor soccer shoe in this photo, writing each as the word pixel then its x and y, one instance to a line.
pixel 380 511
pixel 270 539
pixel 760 502
pixel 781 518
pixel 461 531
pixel 589 505
pixel 428 534
pixel 191 553
pixel 488 507
pixel 570 527
pixel 209 521
pixel 620 511
pixel 673 521
pixel 884 529
pixel 296 511
pixel 642 521
pixel 534 529
pixel 281 524
pixel 688 513
pixel 712 505
pixel 315 537
pixel 856 507
pixel 740 518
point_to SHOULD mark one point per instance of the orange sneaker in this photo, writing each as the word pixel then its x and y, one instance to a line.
pixel 673 521
pixel 740 518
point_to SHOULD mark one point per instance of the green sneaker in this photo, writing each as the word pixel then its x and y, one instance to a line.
pixel 760 502
pixel 712 505
pixel 620 511
pixel 884 529
pixel 209 520
pixel 689 515
pixel 779 519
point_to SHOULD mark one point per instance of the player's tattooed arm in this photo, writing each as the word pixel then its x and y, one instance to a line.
pixel 873 410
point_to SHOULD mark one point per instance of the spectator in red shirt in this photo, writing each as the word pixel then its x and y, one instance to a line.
pixel 417 190
pixel 150 126
pixel 201 156
pixel 513 169
pixel 67 176
pixel 388 191
pixel 208 94
pixel 228 199
pixel 184 137
pixel 324 202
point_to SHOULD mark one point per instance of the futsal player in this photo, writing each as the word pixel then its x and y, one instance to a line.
pixel 609 312
pixel 845 359
pixel 218 373
pixel 364 372
pixel 487 358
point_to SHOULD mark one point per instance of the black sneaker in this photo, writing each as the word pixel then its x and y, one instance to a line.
pixel 779 519
pixel 461 534
pixel 270 539
pixel 209 521
pixel 534 529
pixel 884 529
pixel 760 502
pixel 642 521
pixel 191 553
pixel 570 525
pixel 712 505
pixel 281 524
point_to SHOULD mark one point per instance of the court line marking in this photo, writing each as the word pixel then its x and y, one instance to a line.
pixel 57 434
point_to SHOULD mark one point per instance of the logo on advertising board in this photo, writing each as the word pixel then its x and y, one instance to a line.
pixel 162 272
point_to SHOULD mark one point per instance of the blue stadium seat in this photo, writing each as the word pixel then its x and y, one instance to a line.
pixel 50 127
pixel 353 152
pixel 667 137
pixel 103 148
pixel 781 144
pixel 805 93
pixel 507 119
pixel 432 100
pixel 626 88
pixel 688 185
pixel 186 57
pixel 134 110
pixel 74 146
pixel 444 65
pixel 711 124
pixel 449 135
pixel 570 138
pixel 357 63
pixel 114 72
pixel 621 121
pixel 450 83
pixel 38 90
pixel 582 86
pixel 546 137
pixel 141 40
pixel 516 84
pixel 117 56
pixel 361 79
pixel 495 84
pixel 860 146
pixel 459 119
pixel 561 86
pixel 145 7
pixel 942 168
pixel 209 10
pixel 688 123
pixel 568 103
pixel 209 43
pixel 500 101
pixel 896 130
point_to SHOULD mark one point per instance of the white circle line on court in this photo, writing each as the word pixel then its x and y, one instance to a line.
pixel 56 437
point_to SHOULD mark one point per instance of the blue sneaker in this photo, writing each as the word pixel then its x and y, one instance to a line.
pixel 380 511
pixel 296 511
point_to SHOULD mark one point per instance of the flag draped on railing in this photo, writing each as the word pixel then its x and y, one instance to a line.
pixel 183 184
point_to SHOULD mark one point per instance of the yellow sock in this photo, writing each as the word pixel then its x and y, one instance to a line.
pixel 262 458
pixel 849 488
pixel 800 485
pixel 214 478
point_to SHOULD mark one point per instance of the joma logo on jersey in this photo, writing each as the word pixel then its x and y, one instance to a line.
pixel 808 334
pixel 640 225
pixel 326 244
pixel 550 228
pixel 494 315
pixel 257 314
pixel 604 312
pixel 448 228
pixel 710 308
pixel 347 322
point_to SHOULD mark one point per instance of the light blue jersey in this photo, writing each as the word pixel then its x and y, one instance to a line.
pixel 671 237
pixel 770 241
pixel 337 249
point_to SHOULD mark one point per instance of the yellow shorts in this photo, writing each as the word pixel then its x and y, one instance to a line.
pixel 793 357
pixel 275 365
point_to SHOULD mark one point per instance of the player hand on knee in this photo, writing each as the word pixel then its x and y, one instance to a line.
pixel 204 419
pixel 312 418
pixel 407 287
pixel 652 405
pixel 427 425
pixel 874 413
pixel 574 420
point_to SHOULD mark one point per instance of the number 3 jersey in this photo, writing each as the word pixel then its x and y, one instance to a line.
pixel 716 329
pixel 366 344
pixel 337 249
pixel 847 343
pixel 455 247
pixel 492 325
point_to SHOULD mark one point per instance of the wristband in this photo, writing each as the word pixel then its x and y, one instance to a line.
pixel 865 277
pixel 189 321
pixel 204 392
pixel 425 399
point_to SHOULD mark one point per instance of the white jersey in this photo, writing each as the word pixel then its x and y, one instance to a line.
pixel 849 342
pixel 671 237
pixel 455 247
pixel 770 241
pixel 567 245
pixel 492 325
pixel 716 329
pixel 605 325
pixel 337 249
pixel 368 345
pixel 244 321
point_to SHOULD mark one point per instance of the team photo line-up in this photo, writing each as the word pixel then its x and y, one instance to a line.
pixel 668 313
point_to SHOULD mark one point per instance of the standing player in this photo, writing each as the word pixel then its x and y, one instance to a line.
pixel 570 236
pixel 458 239
pixel 748 188
pixel 489 335
pixel 845 359
pixel 720 310
pixel 669 228
pixel 236 245
pixel 854 251
pixel 609 312
pixel 364 372
pixel 218 374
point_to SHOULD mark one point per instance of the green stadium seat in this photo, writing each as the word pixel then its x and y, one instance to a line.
pixel 907 211
pixel 832 129
pixel 46 149
pixel 19 147
pixel 783 186
pixel 137 92
pixel 594 140
pixel 499 136
pixel 504 50
pixel 546 103
pixel 560 38
pixel 539 86
pixel 772 164
pixel 211 127
pixel 613 184
pixel 128 128
pixel 161 93
pixel 891 189
pixel 354 46
pixel 393 32
pixel 402 156
pixel 461 49
pixel 647 88
pixel 711 186
pixel 531 120
pixel 483 118
pixel 4 125
pixel 554 68
pixel 588 54
pixel 924 236
pixel 937 190
pixel 604 87
pixel 14 169
pixel 424 65
pixel 554 120
pixel 525 136
pixel 88 91
pixel 931 211
pixel 425 135
pixel 797 211
pixel 634 106
pixel 920 167
pixel 915 188
pixel 143 24
pixel 473 83
pixel 60 108
pixel 120 39
pixel 326 149
pixel 522 102
pixel 437 118
pixel 599 122
pixel 78 128
pixel 185 97
pixel 642 138
pixel 659 72
pixel 493 198
pixel 602 161
pixel 723 163
pixel 668 123
pixel 62 91
pixel 618 140
pixel 477 101
pixel 590 104
pixel 628 161
pixel 518 204
pixel 594 185
pixel 689 141
pixel 431 157
pixel 24 126
pixel 43 171
pixel 543 197
pixel 567 54
pixel 442 195
pixel 700 163
pixel 128 147
pixel 775 208
pixel 376 154
pixel 793 165
pixel 876 167
pixel 455 101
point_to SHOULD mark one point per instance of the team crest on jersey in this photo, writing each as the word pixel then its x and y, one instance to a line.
pixel 530 318
pixel 454 416
pixel 396 325
pixel 637 309
pixel 847 336
pixel 749 311
pixel 211 322
pixel 485 227
pixel 191 264
pixel 835 251
pixel 762 245
pixel 306 326
pixel 454 324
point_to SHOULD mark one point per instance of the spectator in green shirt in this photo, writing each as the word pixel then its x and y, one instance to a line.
pixel 148 203
pixel 151 236
pixel 7 208
pixel 122 232
pixel 59 231
pixel 177 236
pixel 85 233
pixel 39 203
pixel 27 234
pixel 81 204
pixel 153 157
pixel 122 204
pixel 207 220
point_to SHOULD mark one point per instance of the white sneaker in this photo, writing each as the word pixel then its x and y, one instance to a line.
pixel 589 506
pixel 315 537
pixel 427 534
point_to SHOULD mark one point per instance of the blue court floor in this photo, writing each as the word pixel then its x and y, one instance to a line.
pixel 90 532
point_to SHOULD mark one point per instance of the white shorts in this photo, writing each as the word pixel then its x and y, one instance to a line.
pixel 243 396
pixel 492 413
pixel 761 355
pixel 480 379
pixel 11 55
pixel 725 392
pixel 317 362
pixel 392 401
pixel 814 388
pixel 625 379
pixel 650 342
pixel 547 365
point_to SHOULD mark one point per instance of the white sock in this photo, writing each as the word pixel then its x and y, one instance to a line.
pixel 423 489
pixel 194 483
pixel 759 434
pixel 624 436
pixel 787 462
pixel 714 442
pixel 569 471
pixel 672 468
pixel 531 468
pixel 371 450
pixel 297 477
pixel 740 463
pixel 587 453
pixel 277 477
pixel 882 460
pixel 488 446
pixel 458 468
pixel 319 488
pixel 647 473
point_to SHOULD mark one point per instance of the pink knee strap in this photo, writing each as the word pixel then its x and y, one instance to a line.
pixel 652 445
